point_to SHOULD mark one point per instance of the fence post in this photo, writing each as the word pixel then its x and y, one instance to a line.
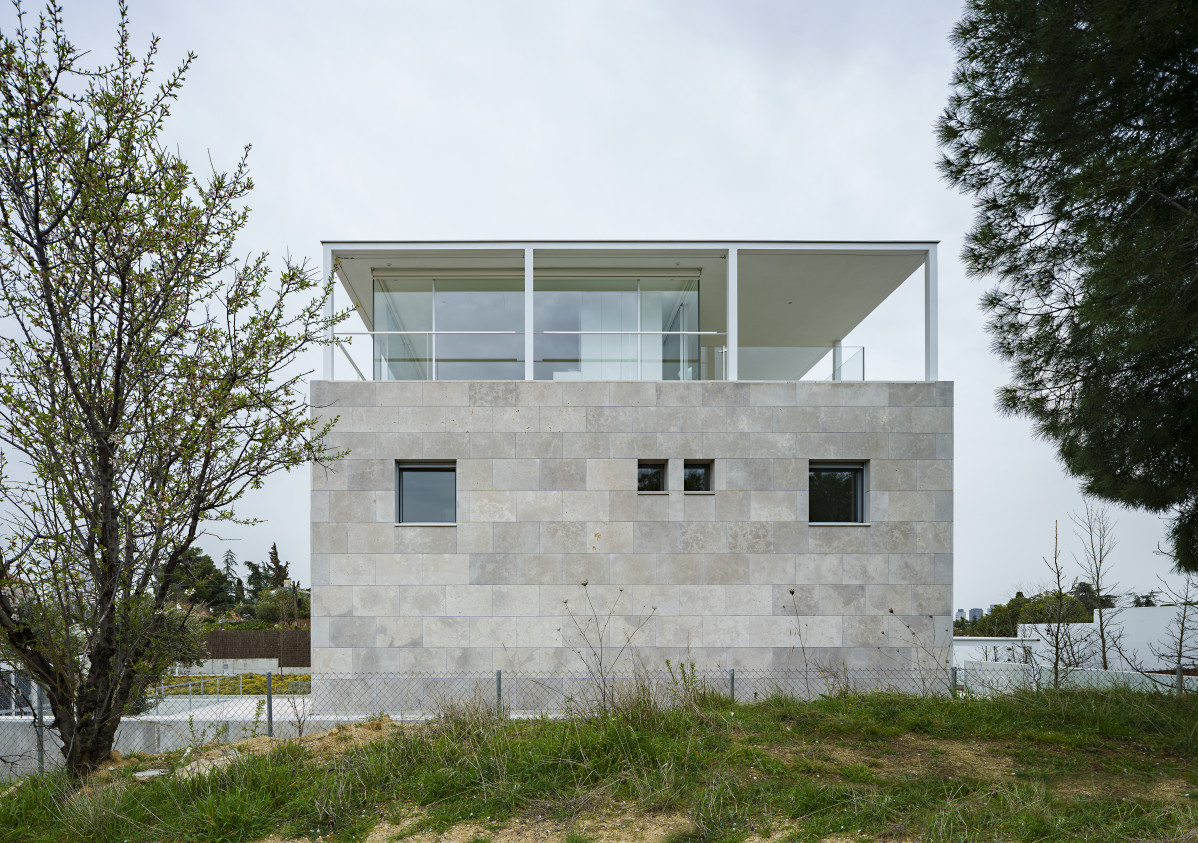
pixel 499 692
pixel 732 683
pixel 1181 682
pixel 270 708
pixel 953 680
pixel 41 726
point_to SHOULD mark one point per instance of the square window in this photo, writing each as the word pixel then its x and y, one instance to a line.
pixel 836 493
pixel 651 476
pixel 696 476
pixel 428 493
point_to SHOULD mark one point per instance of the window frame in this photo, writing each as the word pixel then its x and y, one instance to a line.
pixel 440 466
pixel 859 468
pixel 707 464
pixel 664 465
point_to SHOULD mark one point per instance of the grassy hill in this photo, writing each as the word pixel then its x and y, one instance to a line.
pixel 1100 766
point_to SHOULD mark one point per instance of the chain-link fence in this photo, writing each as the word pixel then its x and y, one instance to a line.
pixel 194 711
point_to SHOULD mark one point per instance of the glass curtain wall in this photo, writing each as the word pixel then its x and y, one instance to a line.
pixel 448 328
pixel 616 329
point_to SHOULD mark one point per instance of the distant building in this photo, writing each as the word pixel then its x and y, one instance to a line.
pixel 975 614
pixel 960 615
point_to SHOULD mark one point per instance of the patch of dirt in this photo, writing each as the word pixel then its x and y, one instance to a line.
pixel 910 755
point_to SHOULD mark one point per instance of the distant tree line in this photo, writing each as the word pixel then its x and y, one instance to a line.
pixel 265 597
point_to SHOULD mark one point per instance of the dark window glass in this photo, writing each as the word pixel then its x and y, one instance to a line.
pixel 835 493
pixel 651 477
pixel 696 477
pixel 428 493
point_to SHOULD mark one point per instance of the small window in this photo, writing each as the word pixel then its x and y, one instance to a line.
pixel 696 476
pixel 836 492
pixel 428 493
pixel 651 476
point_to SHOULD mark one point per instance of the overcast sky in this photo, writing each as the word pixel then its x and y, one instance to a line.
pixel 636 120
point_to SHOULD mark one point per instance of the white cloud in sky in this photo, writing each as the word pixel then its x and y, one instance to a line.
pixel 639 120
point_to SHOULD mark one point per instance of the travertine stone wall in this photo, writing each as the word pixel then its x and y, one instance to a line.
pixel 553 544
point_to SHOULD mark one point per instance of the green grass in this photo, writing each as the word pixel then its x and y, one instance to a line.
pixel 1081 765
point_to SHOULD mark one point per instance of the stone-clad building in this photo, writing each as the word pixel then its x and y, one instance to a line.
pixel 547 439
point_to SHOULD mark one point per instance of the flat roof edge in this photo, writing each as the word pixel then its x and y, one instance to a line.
pixel 582 244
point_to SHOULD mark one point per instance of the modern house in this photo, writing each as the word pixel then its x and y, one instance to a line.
pixel 560 448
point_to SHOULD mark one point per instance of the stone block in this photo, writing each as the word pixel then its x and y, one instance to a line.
pixel 467 600
pixel 911 569
pixel 862 568
pixel 911 506
pixel 346 506
pixel 679 569
pixel 492 394
pixel 660 600
pixel 563 536
pixel 701 600
pixel 868 631
pixel 726 393
pixel 658 419
pixel 370 537
pixel 410 539
pixel 633 445
pixel 376 600
pixel 514 600
pixel 725 568
pixel 844 394
pixel 369 475
pixel 943 569
pixel 813 568
pixel 632 568
pixel 351 632
pixel 622 506
pixel 539 569
pixel 422 660
pixel 445 394
pixel 656 537
pixel 931 599
pixel 611 475
pixel 913 395
pixel 538 506
pixel 753 420
pixel 749 474
pixel 679 446
pixel 516 475
pixel 772 447
pixel 492 445
pixel 748 600
pixel 446 632
pixel 399 632
pixel 585 394
pixel 781 394
pixel 445 446
pixel 592 568
pixel 773 506
pixel 445 569
pixel 517 537
pixel 726 445
pixel 515 420
pixel 731 506
pixel 332 601
pixel 893 537
pixel 842 600
pixel 562 419
pixel 586 446
pixel 934 537
pixel 538 393
pixel 703 536
pixel 633 394
pixel 842 446
pixel 476 537
pixel 750 537
pixel 942 509
pixel 492 568
pixel 653 506
pixel 563 475
pixel 771 568
pixel 493 506
pixel 370 419
pixel 882 600
pixel 800 600
pixel 470 660
pixel 912 446
pixel 422 600
pixel 679 394
pixel 609 537
pixel 319 570
pixel 330 476
pixel 685 632
pixel 697 508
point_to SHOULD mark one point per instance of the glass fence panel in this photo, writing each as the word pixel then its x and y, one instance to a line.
pixel 789 363
pixel 403 357
pixel 479 357
pixel 590 357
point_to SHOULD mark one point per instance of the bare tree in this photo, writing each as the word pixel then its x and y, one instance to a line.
pixel 1096 529
pixel 1054 617
pixel 1179 646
